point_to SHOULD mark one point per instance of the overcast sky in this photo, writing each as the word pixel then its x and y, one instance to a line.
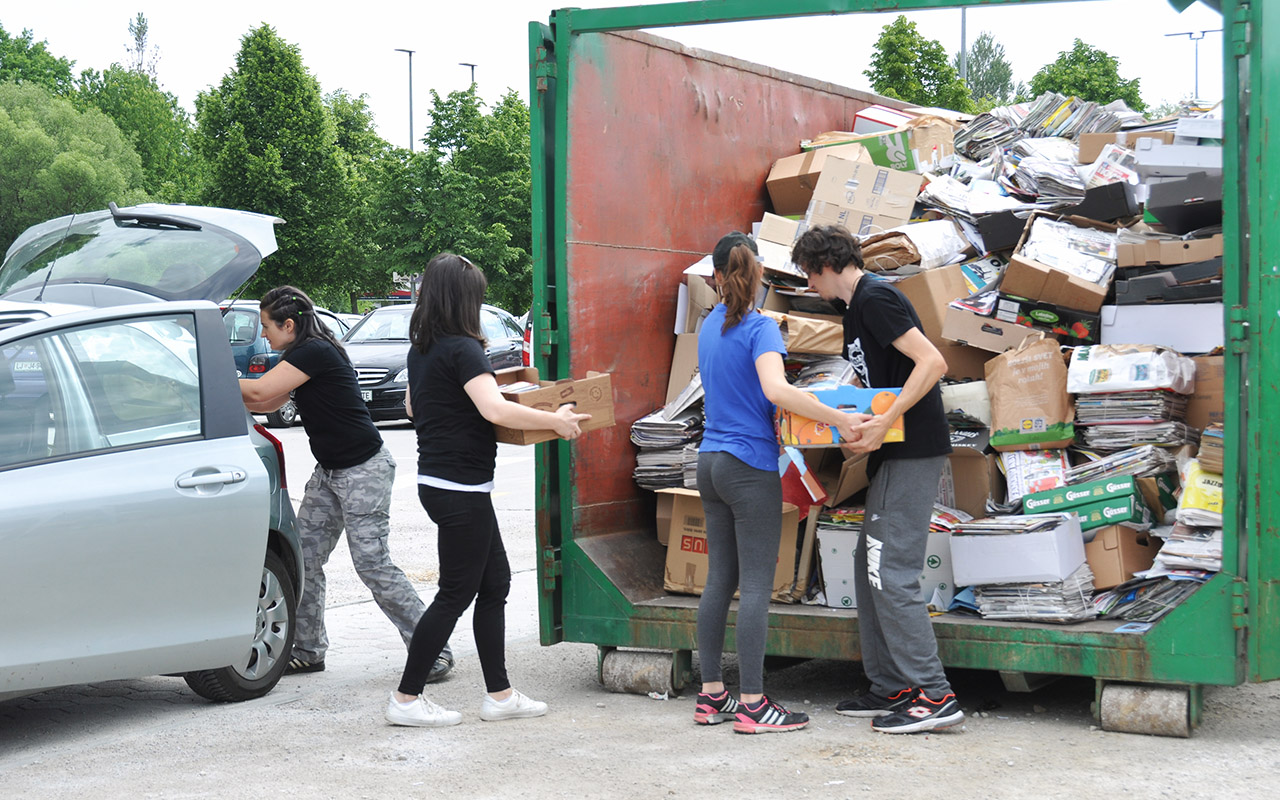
pixel 355 48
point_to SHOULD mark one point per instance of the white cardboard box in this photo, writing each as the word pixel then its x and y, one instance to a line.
pixel 1042 556
pixel 836 550
pixel 1189 328
pixel 937 578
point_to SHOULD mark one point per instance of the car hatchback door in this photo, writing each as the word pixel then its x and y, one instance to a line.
pixel 135 506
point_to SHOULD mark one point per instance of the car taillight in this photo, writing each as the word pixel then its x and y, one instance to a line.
pixel 257 365
pixel 262 429
pixel 526 352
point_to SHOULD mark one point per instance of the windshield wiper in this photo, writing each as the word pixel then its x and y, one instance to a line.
pixel 151 220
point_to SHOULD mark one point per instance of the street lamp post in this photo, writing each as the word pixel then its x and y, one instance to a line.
pixel 410 52
pixel 1193 37
pixel 473 70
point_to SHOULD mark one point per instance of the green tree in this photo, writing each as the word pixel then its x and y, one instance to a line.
pixel 988 73
pixel 24 60
pixel 1089 74
pixel 154 122
pixel 57 159
pixel 909 67
pixel 143 56
pixel 270 146
pixel 467 193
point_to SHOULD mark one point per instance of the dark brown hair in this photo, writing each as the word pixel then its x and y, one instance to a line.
pixel 289 302
pixel 739 282
pixel 449 300
pixel 826 246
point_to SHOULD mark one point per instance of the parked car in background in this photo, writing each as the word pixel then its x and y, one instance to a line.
pixel 379 350
pixel 146 527
pixel 252 354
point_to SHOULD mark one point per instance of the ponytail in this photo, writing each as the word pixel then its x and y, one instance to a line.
pixel 739 282
pixel 287 302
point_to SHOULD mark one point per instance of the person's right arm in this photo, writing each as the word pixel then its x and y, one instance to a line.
pixel 483 391
pixel 773 380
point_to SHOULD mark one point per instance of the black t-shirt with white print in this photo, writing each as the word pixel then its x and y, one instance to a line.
pixel 878 315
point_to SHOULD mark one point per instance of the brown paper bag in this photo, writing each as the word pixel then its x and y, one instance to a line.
pixel 805 335
pixel 1030 407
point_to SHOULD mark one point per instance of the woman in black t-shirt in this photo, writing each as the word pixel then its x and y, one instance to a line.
pixel 351 485
pixel 454 401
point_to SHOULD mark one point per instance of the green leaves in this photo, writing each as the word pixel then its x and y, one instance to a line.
pixel 909 67
pixel 1089 74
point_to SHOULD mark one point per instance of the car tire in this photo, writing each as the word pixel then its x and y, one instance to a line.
pixel 286 416
pixel 272 646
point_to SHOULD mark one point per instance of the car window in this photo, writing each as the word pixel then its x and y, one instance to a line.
pixel 334 325
pixel 514 331
pixel 492 326
pixel 382 326
pixel 96 387
pixel 242 326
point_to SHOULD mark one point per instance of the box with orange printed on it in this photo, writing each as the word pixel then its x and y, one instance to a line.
pixel 799 431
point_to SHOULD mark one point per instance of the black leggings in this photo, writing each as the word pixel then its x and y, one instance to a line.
pixel 473 566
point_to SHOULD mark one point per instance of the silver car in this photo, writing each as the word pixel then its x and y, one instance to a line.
pixel 144 523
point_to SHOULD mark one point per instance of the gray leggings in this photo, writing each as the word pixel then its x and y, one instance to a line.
pixel 743 508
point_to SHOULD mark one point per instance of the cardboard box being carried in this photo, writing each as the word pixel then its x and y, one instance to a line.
pixel 591 395
pixel 792 179
pixel 862 198
pixel 1117 552
pixel 798 431
pixel 686 567
pixel 1040 556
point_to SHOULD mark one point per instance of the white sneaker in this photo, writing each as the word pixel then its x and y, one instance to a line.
pixel 420 713
pixel 517 706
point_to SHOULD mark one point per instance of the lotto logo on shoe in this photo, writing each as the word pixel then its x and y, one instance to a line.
pixel 873 562
pixel 693 544
pixel 919 712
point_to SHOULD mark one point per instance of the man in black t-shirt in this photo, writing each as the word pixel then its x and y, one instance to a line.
pixel 888 349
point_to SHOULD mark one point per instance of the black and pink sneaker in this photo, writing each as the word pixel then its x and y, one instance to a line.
pixel 714 709
pixel 768 717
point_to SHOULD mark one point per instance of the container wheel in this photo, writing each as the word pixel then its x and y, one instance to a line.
pixel 644 671
pixel 1153 710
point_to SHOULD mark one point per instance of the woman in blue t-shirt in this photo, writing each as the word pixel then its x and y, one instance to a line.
pixel 740 359
pixel 455 402
pixel 351 485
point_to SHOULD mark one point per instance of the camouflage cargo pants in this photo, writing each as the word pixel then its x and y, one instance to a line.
pixel 359 500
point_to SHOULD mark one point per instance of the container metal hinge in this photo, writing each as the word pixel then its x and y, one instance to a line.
pixel 1241 30
pixel 543 69
pixel 547 336
pixel 1238 329
pixel 1239 606
pixel 551 569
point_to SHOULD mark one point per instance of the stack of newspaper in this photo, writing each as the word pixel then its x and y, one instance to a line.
pixel 1188 548
pixel 1126 435
pixel 1141 461
pixel 1130 407
pixel 1146 599
pixel 1069 600
pixel 662 437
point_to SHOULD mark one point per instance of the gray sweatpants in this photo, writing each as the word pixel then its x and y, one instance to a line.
pixel 743 508
pixel 359 500
pixel 899 650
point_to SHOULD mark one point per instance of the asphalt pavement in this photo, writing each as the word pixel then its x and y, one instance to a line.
pixel 323 735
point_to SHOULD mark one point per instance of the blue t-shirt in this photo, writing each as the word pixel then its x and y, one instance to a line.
pixel 739 416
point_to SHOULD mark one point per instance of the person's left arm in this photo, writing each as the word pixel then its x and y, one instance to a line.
pixel 272 390
pixel 929 368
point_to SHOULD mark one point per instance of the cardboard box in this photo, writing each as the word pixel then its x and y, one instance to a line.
pixel 1091 144
pixel 862 198
pixel 686 567
pixel 1106 203
pixel 969 475
pixel 1068 325
pixel 1050 555
pixel 1167 251
pixel 792 178
pixel 684 364
pixel 965 327
pixel 1080 494
pixel 592 395
pixel 836 549
pixel 1197 282
pixel 689 502
pixel 842 476
pixel 937 580
pixel 1117 552
pixel 1207 405
pixel 1113 511
pixel 798 431
pixel 929 293
pixel 1025 277
pixel 877 119
pixel 1188 328
pixel 909 148
pixel 1159 160
pixel 1001 231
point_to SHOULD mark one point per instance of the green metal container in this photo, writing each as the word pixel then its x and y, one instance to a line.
pixel 645 152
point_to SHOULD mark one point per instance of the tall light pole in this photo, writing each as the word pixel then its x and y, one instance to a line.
pixel 473 70
pixel 964 49
pixel 410 52
pixel 1193 37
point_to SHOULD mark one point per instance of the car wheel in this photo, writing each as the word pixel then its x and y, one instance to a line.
pixel 259 671
pixel 286 416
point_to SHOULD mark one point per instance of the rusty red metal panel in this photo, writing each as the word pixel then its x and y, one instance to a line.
pixel 668 149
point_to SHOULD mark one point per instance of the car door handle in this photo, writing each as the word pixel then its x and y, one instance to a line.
pixel 230 476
